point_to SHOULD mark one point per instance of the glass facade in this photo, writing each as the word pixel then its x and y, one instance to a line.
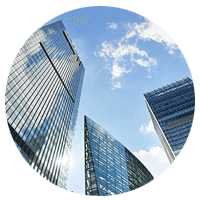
pixel 171 108
pixel 42 99
pixel 110 168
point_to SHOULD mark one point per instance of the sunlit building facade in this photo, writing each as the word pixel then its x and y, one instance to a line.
pixel 42 99
pixel 110 168
pixel 171 108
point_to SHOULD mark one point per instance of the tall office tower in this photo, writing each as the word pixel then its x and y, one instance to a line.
pixel 42 99
pixel 171 108
pixel 110 168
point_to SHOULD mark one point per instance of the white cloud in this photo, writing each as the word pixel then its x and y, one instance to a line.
pixel 149 76
pixel 125 51
pixel 171 51
pixel 118 53
pixel 118 71
pixel 128 52
pixel 155 160
pixel 148 30
pixel 149 128
pixel 130 33
pixel 112 25
pixel 116 85
pixel 146 63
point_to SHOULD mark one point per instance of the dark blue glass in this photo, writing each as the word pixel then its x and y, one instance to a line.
pixel 171 108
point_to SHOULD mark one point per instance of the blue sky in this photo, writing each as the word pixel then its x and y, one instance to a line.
pixel 125 55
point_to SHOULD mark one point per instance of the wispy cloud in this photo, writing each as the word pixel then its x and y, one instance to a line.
pixel 148 30
pixel 122 54
pixel 112 25
pixel 116 85
pixel 155 160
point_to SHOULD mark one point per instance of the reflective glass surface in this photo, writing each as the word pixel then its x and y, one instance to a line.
pixel 110 168
pixel 42 98
pixel 172 109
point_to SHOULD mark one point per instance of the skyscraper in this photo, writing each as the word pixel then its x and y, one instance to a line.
pixel 171 108
pixel 110 168
pixel 42 99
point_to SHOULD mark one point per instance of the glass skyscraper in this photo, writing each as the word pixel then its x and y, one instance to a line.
pixel 42 99
pixel 171 108
pixel 110 168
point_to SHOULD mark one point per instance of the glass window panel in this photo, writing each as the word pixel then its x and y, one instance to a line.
pixel 102 175
pixel 95 155
pixel 118 186
pixel 88 192
pixel 94 192
pixel 102 160
pixel 111 173
pixel 111 181
pixel 102 193
pixel 87 174
pixel 96 163
pixel 93 182
pixel 111 190
pixel 88 183
pixel 103 168
pixel 92 173
pixel 102 184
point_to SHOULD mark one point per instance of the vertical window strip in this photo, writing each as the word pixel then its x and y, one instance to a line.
pixel 23 91
pixel 43 105
pixel 57 72
pixel 47 126
pixel 67 67
pixel 59 142
pixel 25 114
pixel 42 114
pixel 29 103
pixel 64 131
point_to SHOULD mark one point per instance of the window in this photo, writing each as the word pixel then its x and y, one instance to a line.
pixel 102 184
pixel 111 190
pixel 111 181
pixel 94 192
pixel 102 167
pixel 102 160
pixel 93 182
pixel 102 193
pixel 119 186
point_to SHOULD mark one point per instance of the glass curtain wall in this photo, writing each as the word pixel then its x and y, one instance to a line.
pixel 42 98
pixel 171 109
pixel 110 168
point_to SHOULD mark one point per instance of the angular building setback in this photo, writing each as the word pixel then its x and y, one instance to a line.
pixel 110 168
pixel 171 108
pixel 42 99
